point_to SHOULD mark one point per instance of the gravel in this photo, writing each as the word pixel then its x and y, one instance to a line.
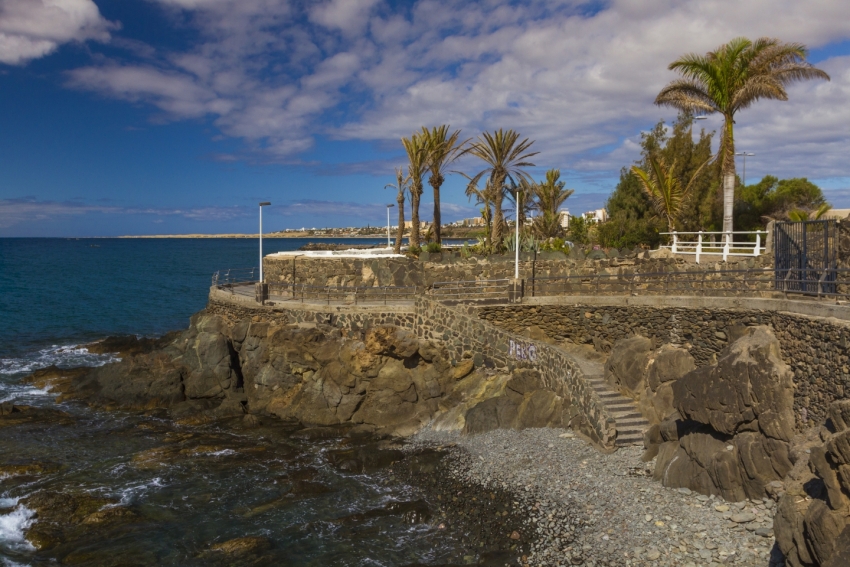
pixel 581 507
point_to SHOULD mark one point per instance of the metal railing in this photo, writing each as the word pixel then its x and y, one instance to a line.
pixel 471 289
pixel 341 294
pixel 700 244
pixel 235 276
pixel 830 283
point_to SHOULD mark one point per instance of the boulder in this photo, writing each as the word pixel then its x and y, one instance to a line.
pixel 750 389
pixel 391 341
pixel 626 367
pixel 730 429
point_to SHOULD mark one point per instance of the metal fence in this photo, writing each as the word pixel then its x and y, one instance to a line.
pixel 235 276
pixel 471 290
pixel 806 256
pixel 341 294
pixel 833 283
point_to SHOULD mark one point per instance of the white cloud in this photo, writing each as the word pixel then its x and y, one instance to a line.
pixel 580 82
pixel 30 29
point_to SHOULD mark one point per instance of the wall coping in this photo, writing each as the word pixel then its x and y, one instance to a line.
pixel 833 313
pixel 249 302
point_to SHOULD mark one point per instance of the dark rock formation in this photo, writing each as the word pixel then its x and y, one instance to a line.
pixel 382 381
pixel 732 433
pixel 525 403
pixel 647 375
pixel 812 524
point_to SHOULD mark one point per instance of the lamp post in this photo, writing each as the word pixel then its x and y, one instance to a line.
pixel 263 204
pixel 390 206
pixel 516 251
pixel 744 155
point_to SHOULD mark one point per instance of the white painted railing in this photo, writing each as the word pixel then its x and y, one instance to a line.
pixel 730 243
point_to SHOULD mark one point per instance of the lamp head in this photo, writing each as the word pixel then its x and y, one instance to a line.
pixel 265 204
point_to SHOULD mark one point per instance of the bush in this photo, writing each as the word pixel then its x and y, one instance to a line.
pixel 555 245
pixel 433 247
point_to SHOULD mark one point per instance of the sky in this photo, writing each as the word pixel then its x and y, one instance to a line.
pixel 179 116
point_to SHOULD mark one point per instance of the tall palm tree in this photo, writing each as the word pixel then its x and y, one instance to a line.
pixel 732 78
pixel 401 184
pixel 550 195
pixel 523 190
pixel 664 189
pixel 505 157
pixel 442 149
pixel 417 156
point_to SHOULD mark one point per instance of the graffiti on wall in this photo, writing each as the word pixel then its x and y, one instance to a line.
pixel 522 351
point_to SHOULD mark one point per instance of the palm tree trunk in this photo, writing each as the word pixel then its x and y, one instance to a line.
pixel 437 220
pixel 728 143
pixel 400 231
pixel 498 214
pixel 414 217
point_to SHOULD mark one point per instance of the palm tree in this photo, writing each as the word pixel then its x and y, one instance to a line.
pixel 550 195
pixel 417 156
pixel 442 149
pixel 664 189
pixel 799 215
pixel 482 197
pixel 504 156
pixel 401 185
pixel 732 78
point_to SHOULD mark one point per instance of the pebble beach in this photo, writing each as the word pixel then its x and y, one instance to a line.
pixel 578 506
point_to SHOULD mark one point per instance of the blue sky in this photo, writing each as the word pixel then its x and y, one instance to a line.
pixel 178 116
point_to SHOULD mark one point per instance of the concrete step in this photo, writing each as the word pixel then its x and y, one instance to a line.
pixel 628 420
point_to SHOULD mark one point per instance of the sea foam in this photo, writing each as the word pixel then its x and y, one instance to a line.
pixel 12 527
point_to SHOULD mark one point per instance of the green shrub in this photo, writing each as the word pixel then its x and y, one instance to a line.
pixel 433 247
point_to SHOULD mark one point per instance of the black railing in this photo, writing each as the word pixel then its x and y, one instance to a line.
pixel 833 283
pixel 235 276
pixel 471 289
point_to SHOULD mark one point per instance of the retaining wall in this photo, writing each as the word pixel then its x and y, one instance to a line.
pixel 466 335
pixel 816 348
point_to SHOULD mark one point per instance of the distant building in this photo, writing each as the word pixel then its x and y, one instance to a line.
pixel 599 215
pixel 564 218
pixel 474 221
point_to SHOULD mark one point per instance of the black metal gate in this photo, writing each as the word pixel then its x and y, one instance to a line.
pixel 806 256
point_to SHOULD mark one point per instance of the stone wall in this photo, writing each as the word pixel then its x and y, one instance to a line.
pixel 466 336
pixel 818 350
pixel 450 266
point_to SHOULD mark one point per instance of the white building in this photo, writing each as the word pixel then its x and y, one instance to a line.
pixel 564 218
pixel 599 215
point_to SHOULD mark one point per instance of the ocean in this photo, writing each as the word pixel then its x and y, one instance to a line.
pixel 207 484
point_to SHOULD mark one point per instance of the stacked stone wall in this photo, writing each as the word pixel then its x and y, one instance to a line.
pixel 818 350
pixel 451 267
pixel 466 335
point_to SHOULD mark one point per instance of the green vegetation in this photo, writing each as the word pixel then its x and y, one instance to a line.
pixel 732 78
pixel 677 184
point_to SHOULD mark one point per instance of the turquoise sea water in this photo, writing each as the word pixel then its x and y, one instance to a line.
pixel 216 481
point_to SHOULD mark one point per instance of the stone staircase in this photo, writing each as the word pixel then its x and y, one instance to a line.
pixel 630 423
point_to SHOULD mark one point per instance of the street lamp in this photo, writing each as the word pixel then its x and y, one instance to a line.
pixel 390 206
pixel 744 155
pixel 263 204
pixel 516 251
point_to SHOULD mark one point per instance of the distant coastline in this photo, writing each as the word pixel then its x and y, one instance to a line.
pixel 270 235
